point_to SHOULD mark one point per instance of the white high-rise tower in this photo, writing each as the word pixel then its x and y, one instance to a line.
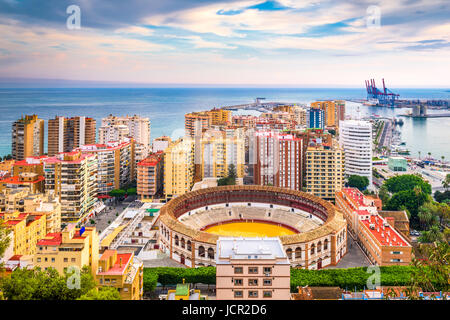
pixel 355 137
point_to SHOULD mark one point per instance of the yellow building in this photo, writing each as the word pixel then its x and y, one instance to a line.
pixel 22 200
pixel 27 137
pixel 123 271
pixel 220 116
pixel 216 150
pixel 7 166
pixel 329 108
pixel 324 167
pixel 35 183
pixel 178 167
pixel 27 229
pixel 197 121
pixel 72 247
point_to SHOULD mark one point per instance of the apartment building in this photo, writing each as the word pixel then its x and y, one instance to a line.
pixel 66 134
pixel 355 137
pixel 26 230
pixel 116 164
pixel 329 109
pixel 150 176
pixel 251 269
pixel 378 237
pixel 196 122
pixel 6 168
pixel 123 271
pixel 22 200
pixel 73 247
pixel 27 137
pixel 216 150
pixel 161 144
pixel 120 129
pixel 279 160
pixel 324 174
pixel 32 181
pixel 72 178
pixel 316 118
pixel 179 167
pixel 29 165
pixel 340 111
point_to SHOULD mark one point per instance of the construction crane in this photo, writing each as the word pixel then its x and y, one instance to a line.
pixel 385 97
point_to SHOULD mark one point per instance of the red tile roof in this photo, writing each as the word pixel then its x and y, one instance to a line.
pixel 383 233
pixel 116 269
pixel 51 239
pixel 354 194
pixel 16 180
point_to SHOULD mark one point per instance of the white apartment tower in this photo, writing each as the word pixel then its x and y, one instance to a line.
pixel 116 129
pixel 355 137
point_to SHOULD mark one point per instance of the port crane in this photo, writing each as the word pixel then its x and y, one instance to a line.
pixel 385 98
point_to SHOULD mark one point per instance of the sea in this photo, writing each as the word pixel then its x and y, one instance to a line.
pixel 166 108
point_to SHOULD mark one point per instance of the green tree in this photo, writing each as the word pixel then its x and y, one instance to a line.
pixel 406 182
pixel 131 191
pixel 383 193
pixel 230 179
pixel 37 284
pixel 442 196
pixel 432 273
pixel 355 181
pixel 408 199
pixel 431 235
pixel 103 293
pixel 117 193
pixel 446 181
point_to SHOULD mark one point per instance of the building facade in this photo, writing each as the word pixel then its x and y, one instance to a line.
pixel 355 137
pixel 26 230
pixel 252 268
pixel 27 137
pixel 150 176
pixel 66 134
pixel 279 160
pixel 216 150
pixel 316 118
pixel 179 167
pixel 120 128
pixel 116 164
pixel 324 167
pixel 122 271
pixel 378 237
pixel 72 178
pixel 73 247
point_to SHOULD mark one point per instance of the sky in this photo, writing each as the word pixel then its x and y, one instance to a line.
pixel 328 43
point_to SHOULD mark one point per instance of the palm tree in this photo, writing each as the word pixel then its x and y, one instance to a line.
pixel 429 154
pixel 419 155
pixel 446 181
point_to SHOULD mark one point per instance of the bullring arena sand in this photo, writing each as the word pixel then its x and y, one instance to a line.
pixel 249 229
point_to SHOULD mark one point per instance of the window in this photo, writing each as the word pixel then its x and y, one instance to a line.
pixel 253 294
pixel 267 294
pixel 238 294
pixel 238 282
pixel 66 259
pixel 267 270
pixel 53 259
pixel 38 259
pixel 267 282
pixel 73 259
pixel 238 270
pixel 252 282
pixel 253 270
